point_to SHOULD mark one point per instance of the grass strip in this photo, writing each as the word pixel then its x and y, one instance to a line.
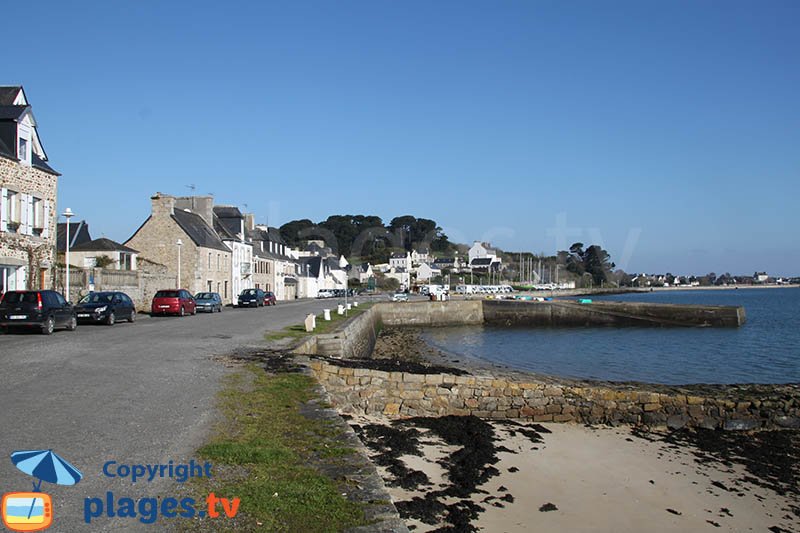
pixel 263 453
pixel 297 331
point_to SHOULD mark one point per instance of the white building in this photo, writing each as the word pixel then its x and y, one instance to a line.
pixel 426 272
pixel 400 260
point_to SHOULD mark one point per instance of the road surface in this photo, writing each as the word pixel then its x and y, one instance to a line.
pixel 138 393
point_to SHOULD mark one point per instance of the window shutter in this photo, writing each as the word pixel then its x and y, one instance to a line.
pixel 3 209
pixel 46 221
pixel 23 214
pixel 31 214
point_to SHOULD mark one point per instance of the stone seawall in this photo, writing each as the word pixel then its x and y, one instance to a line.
pixel 602 313
pixel 432 314
pixel 354 339
pixel 401 394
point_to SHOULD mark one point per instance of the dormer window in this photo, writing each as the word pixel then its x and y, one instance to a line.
pixel 23 150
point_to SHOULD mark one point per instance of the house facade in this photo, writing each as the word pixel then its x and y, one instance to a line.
pixel 400 260
pixel 28 187
pixel 205 261
pixel 229 223
pixel 93 253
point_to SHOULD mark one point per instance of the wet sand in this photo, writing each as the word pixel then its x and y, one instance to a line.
pixel 563 477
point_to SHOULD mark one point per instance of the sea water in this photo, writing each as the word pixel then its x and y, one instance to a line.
pixel 766 349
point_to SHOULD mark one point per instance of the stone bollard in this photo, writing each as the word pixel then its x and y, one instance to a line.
pixel 326 314
pixel 310 322
pixel 349 306
pixel 340 309
pixel 355 304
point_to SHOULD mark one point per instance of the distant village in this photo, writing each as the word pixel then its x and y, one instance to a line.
pixel 190 242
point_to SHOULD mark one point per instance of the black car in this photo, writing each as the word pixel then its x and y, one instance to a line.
pixel 208 302
pixel 45 310
pixel 251 298
pixel 106 308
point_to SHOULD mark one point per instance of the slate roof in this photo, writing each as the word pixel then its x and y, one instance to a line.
pixel 39 163
pixel 313 263
pixel 9 93
pixel 78 234
pixel 444 261
pixel 13 112
pixel 196 228
pixel 102 245
pixel 398 256
pixel 482 261
pixel 5 150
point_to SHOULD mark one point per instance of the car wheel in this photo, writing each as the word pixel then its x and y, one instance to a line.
pixel 132 319
pixel 73 323
pixel 111 319
pixel 219 309
pixel 194 311
pixel 48 326
pixel 183 312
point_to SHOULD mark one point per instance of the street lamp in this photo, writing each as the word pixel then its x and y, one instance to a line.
pixel 179 243
pixel 68 214
pixel 343 265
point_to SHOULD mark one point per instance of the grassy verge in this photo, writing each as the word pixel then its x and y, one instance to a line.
pixel 263 453
pixel 297 331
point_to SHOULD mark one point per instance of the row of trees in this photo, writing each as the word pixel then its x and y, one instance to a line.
pixel 366 237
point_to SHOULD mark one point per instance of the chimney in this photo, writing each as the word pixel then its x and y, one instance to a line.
pixel 249 221
pixel 201 205
pixel 163 205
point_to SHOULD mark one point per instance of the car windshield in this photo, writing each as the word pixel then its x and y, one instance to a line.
pixel 97 298
pixel 269 294
pixel 204 296
pixel 249 292
pixel 167 294
pixel 20 297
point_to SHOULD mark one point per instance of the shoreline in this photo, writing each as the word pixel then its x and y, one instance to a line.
pixel 474 474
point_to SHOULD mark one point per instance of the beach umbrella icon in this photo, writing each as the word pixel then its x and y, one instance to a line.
pixel 46 465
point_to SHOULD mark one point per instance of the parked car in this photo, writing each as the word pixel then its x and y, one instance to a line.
pixel 45 310
pixel 326 293
pixel 399 297
pixel 269 298
pixel 208 302
pixel 105 307
pixel 251 298
pixel 173 302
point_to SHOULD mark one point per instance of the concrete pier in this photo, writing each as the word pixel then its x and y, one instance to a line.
pixel 559 313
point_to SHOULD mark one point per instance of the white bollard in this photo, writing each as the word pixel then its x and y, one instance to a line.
pixel 340 309
pixel 355 304
pixel 310 322
pixel 326 314
pixel 349 306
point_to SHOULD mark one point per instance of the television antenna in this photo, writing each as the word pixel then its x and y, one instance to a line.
pixel 191 187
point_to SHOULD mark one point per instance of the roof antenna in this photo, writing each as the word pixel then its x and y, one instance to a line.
pixel 191 187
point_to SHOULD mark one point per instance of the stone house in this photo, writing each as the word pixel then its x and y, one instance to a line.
pixel 205 260
pixel 482 250
pixel 427 272
pixel 28 187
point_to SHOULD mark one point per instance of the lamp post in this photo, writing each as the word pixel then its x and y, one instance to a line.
pixel 68 214
pixel 343 265
pixel 179 244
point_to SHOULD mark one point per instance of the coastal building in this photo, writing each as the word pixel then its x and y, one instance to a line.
pixel 205 261
pixel 427 272
pixel 229 223
pixel 480 251
pixel 78 234
pixel 400 260
pixel 361 273
pixel 276 267
pixel 28 188
pixel 420 256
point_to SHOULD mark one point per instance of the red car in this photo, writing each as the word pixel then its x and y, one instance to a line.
pixel 269 298
pixel 173 302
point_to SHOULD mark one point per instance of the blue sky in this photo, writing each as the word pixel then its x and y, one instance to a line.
pixel 669 132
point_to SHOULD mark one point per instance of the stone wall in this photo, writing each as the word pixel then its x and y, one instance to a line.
pixel 400 394
pixel 140 285
pixel 432 314
pixel 35 253
pixel 355 338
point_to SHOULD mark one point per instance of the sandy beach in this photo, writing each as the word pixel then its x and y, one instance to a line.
pixel 467 474
pixel 565 477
